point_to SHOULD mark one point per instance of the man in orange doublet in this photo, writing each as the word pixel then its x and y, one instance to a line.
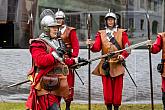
pixel 110 69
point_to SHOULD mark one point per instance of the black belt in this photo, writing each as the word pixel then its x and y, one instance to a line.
pixel 162 60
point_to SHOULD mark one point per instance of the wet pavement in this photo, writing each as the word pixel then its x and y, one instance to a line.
pixel 15 63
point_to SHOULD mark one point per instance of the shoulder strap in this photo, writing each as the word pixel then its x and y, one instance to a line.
pixel 114 42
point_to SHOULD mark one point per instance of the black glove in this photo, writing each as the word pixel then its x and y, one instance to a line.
pixel 83 61
pixel 60 52
pixel 105 65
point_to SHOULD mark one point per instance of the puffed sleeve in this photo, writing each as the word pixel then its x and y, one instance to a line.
pixel 97 44
pixel 74 43
pixel 157 45
pixel 40 56
pixel 126 43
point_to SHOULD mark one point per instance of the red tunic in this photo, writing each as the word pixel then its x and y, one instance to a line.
pixel 70 61
pixel 112 87
pixel 45 61
pixel 156 47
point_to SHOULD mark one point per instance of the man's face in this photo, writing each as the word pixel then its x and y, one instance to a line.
pixel 110 22
pixel 60 21
pixel 53 31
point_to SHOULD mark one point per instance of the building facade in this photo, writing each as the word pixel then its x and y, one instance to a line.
pixel 14 26
pixel 137 22
pixel 19 20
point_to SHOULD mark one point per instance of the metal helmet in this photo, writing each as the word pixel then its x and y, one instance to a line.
pixel 110 14
pixel 46 12
pixel 59 14
pixel 48 21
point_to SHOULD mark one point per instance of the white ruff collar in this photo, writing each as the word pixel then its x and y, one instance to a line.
pixel 111 30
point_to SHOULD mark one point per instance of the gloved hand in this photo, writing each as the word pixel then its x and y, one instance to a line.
pixel 60 52
pixel 83 61
pixel 120 57
pixel 149 43
pixel 105 65
pixel 69 61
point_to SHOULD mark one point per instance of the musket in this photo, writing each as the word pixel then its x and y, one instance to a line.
pixel 79 77
pixel 150 62
pixel 110 54
pixel 19 83
pixel 89 25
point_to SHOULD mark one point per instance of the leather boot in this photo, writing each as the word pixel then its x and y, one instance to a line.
pixel 68 105
pixel 116 107
pixel 163 100
pixel 109 107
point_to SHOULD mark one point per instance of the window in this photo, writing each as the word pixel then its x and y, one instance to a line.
pixel 102 23
pixel 12 6
pixel 141 24
pixel 141 3
pixel 155 6
pixel 154 27
pixel 131 2
pixel 149 4
pixel 131 23
pixel 73 20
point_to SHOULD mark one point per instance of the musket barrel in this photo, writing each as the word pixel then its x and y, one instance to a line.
pixel 20 83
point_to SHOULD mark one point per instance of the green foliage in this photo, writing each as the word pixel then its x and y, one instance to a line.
pixel 21 106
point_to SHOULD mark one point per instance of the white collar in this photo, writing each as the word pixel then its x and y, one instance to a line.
pixel 111 30
pixel 63 29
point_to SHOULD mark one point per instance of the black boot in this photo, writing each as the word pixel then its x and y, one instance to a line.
pixel 109 107
pixel 116 107
pixel 163 100
pixel 68 105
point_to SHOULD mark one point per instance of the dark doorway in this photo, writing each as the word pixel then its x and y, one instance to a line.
pixel 7 35
pixel 154 27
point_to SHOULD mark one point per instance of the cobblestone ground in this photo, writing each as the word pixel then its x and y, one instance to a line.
pixel 14 64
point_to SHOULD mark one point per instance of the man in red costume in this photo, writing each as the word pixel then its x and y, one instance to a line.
pixel 49 72
pixel 157 46
pixel 110 68
pixel 68 34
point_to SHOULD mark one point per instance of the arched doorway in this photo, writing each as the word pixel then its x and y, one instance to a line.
pixel 154 27
pixel 7 35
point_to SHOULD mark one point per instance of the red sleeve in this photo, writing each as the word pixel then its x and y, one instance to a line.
pixel 97 44
pixel 40 56
pixel 157 45
pixel 125 43
pixel 74 43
